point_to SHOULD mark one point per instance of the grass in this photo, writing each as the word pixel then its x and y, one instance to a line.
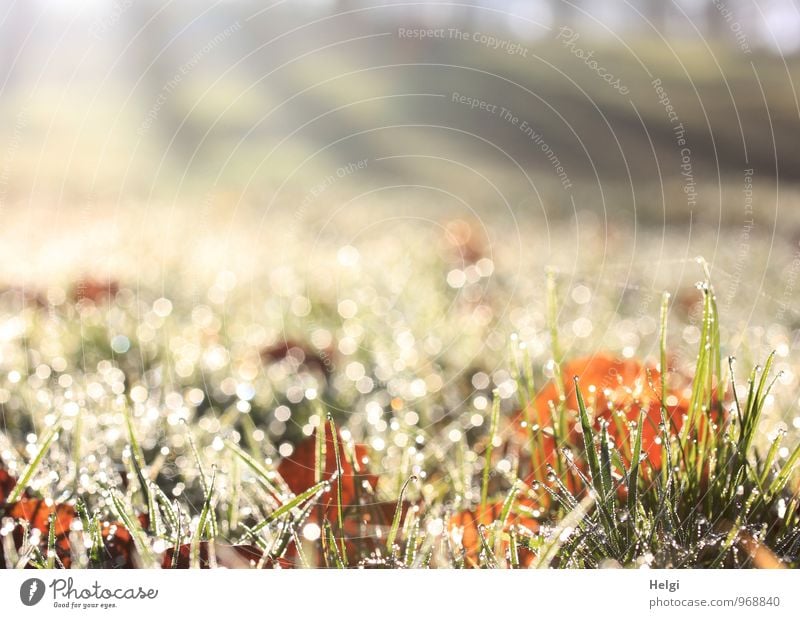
pixel 530 472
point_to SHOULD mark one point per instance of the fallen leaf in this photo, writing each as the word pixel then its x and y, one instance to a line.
pixel 7 484
pixel 34 513
pixel 94 290
pixel 298 471
pixel 464 530
pixel 300 356
pixel 610 386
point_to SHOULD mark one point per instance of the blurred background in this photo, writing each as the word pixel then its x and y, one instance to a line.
pixel 115 100
pixel 155 123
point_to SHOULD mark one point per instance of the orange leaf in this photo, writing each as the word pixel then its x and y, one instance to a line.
pixel 7 484
pixel 465 525
pixel 610 383
pixel 298 470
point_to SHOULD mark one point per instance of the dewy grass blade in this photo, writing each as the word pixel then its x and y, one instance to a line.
pixel 513 550
pixel 662 341
pixel 96 534
pixel 134 528
pixel 137 455
pixel 767 464
pixel 487 553
pixel 51 541
pixel 176 549
pixel 411 544
pixel 203 523
pixel 604 498
pixel 526 397
pixel 339 506
pixel 552 320
pixel 166 506
pixel 203 482
pixel 288 506
pixel 233 500
pixel 83 514
pixel 330 547
pixel 320 444
pixel 261 472
pixel 155 524
pixel 560 419
pixel 605 460
pixel 489 447
pixel 666 424
pixel 30 469
pixel 77 449
pixel 753 415
pixel 562 531
pixel 508 504
pixel 588 442
pixel 398 512
pixel 784 475
pixel 633 472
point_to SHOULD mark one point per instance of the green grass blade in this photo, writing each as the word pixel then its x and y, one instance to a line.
pixel 294 502
pixel 261 472
pixel 588 443
pixel 203 523
pixel 633 472
pixel 398 511
pixel 51 541
pixel 489 447
pixel 134 528
pixel 339 506
pixel 30 469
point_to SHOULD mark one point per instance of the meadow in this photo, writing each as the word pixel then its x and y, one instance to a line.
pixel 412 393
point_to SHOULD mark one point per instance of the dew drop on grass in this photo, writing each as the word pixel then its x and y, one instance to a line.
pixel 435 527
pixel 311 532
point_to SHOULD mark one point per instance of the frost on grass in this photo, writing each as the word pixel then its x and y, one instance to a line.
pixel 367 411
